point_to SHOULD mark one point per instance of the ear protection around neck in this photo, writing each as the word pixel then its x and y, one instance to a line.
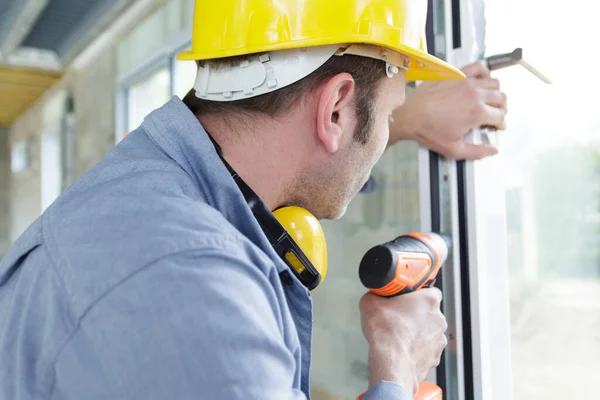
pixel 308 230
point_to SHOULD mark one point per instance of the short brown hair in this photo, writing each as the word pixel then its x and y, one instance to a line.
pixel 367 74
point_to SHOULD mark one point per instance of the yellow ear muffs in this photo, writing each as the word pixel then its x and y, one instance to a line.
pixel 305 229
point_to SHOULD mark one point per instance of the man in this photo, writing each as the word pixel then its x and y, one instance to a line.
pixel 150 277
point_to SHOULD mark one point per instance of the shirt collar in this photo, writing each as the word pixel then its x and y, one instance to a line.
pixel 177 131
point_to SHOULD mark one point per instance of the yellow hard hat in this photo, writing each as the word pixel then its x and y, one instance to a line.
pixel 307 232
pixel 226 28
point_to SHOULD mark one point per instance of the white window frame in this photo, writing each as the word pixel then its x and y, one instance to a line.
pixel 164 58
pixel 481 207
pixel 440 213
pixel 475 277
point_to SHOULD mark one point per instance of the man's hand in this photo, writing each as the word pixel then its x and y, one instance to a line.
pixel 439 114
pixel 406 336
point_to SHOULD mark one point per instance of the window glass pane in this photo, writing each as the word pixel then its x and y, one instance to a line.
pixel 146 96
pixel 339 366
pixel 184 77
pixel 552 156
pixel 51 165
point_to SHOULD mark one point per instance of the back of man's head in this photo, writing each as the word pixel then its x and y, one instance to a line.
pixel 367 73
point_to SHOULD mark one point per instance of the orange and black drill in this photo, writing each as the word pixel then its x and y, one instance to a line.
pixel 404 265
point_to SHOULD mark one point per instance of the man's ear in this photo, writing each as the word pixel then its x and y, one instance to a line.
pixel 335 111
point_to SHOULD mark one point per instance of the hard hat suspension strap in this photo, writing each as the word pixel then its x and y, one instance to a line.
pixel 263 73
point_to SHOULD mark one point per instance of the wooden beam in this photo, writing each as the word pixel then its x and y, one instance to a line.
pixel 10 93
pixel 23 76
pixel 20 88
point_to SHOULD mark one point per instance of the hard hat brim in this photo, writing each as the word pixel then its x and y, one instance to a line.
pixel 423 66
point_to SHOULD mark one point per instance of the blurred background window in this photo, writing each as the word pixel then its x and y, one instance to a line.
pixel 551 152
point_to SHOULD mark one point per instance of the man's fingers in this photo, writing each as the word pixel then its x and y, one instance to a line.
pixel 435 295
pixel 476 70
pixel 488 83
pixel 468 151
pixel 495 98
pixel 494 117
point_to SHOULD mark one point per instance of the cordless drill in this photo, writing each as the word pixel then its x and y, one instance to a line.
pixel 404 265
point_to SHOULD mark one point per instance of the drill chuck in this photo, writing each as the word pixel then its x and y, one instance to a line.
pixel 403 265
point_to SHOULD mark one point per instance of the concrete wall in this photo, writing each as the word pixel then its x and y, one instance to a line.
pixel 4 190
pixel 25 187
pixel 167 26
pixel 94 91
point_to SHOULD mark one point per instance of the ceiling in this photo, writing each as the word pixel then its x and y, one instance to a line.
pixel 63 22
pixel 38 38
pixel 54 25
